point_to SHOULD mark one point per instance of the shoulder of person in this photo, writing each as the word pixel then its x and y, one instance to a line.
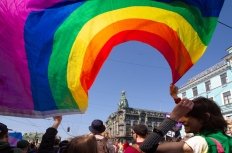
pixel 129 149
pixel 17 150
pixel 195 143
pixel 136 147
pixel 196 139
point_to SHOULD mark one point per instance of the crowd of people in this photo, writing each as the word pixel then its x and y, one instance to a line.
pixel 202 117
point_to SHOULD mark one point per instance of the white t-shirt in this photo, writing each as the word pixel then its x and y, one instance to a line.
pixel 198 144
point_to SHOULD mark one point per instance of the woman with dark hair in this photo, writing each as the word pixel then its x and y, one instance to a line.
pixel 208 114
pixel 208 125
pixel 205 120
pixel 82 144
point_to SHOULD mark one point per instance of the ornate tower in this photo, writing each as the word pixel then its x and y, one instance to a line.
pixel 119 123
pixel 123 103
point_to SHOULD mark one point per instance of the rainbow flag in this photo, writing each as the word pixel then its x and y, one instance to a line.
pixel 52 50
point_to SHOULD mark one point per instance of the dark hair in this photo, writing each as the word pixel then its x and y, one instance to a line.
pixel 82 144
pixel 209 114
pixel 23 144
pixel 141 130
pixel 2 135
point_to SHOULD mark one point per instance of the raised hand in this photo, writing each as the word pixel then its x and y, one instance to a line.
pixel 181 109
pixel 57 121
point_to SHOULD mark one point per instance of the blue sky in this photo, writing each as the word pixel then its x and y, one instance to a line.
pixel 139 70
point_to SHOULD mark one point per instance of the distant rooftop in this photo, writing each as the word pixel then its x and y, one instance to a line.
pixel 211 69
pixel 207 71
pixel 229 49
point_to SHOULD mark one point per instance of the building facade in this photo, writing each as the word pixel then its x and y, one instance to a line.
pixel 214 83
pixel 119 123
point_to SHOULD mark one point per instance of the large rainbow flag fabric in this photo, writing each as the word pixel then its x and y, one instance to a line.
pixel 52 50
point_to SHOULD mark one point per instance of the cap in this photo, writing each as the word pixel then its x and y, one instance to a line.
pixel 3 128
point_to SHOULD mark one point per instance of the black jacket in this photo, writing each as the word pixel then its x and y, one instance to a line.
pixel 48 141
pixel 6 148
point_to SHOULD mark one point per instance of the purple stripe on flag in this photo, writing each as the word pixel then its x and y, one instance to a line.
pixel 15 87
pixel 14 75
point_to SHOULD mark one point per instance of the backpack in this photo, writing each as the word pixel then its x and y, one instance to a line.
pixel 218 142
pixel 102 146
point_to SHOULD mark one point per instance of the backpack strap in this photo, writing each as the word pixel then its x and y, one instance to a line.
pixel 220 149
pixel 104 142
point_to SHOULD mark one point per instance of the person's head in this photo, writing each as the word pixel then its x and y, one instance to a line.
pixel 23 145
pixel 205 116
pixel 97 127
pixel 3 132
pixel 140 131
pixel 82 144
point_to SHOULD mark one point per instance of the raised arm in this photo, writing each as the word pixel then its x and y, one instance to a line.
pixel 48 138
pixel 151 142
pixel 181 109
pixel 173 92
pixel 57 121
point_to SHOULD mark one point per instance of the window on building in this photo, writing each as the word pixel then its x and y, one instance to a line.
pixel 208 85
pixel 117 130
pixel 227 97
pixel 195 92
pixel 135 122
pixel 184 95
pixel 223 78
pixel 128 122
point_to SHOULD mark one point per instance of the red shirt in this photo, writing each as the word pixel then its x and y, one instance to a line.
pixel 125 145
pixel 131 149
